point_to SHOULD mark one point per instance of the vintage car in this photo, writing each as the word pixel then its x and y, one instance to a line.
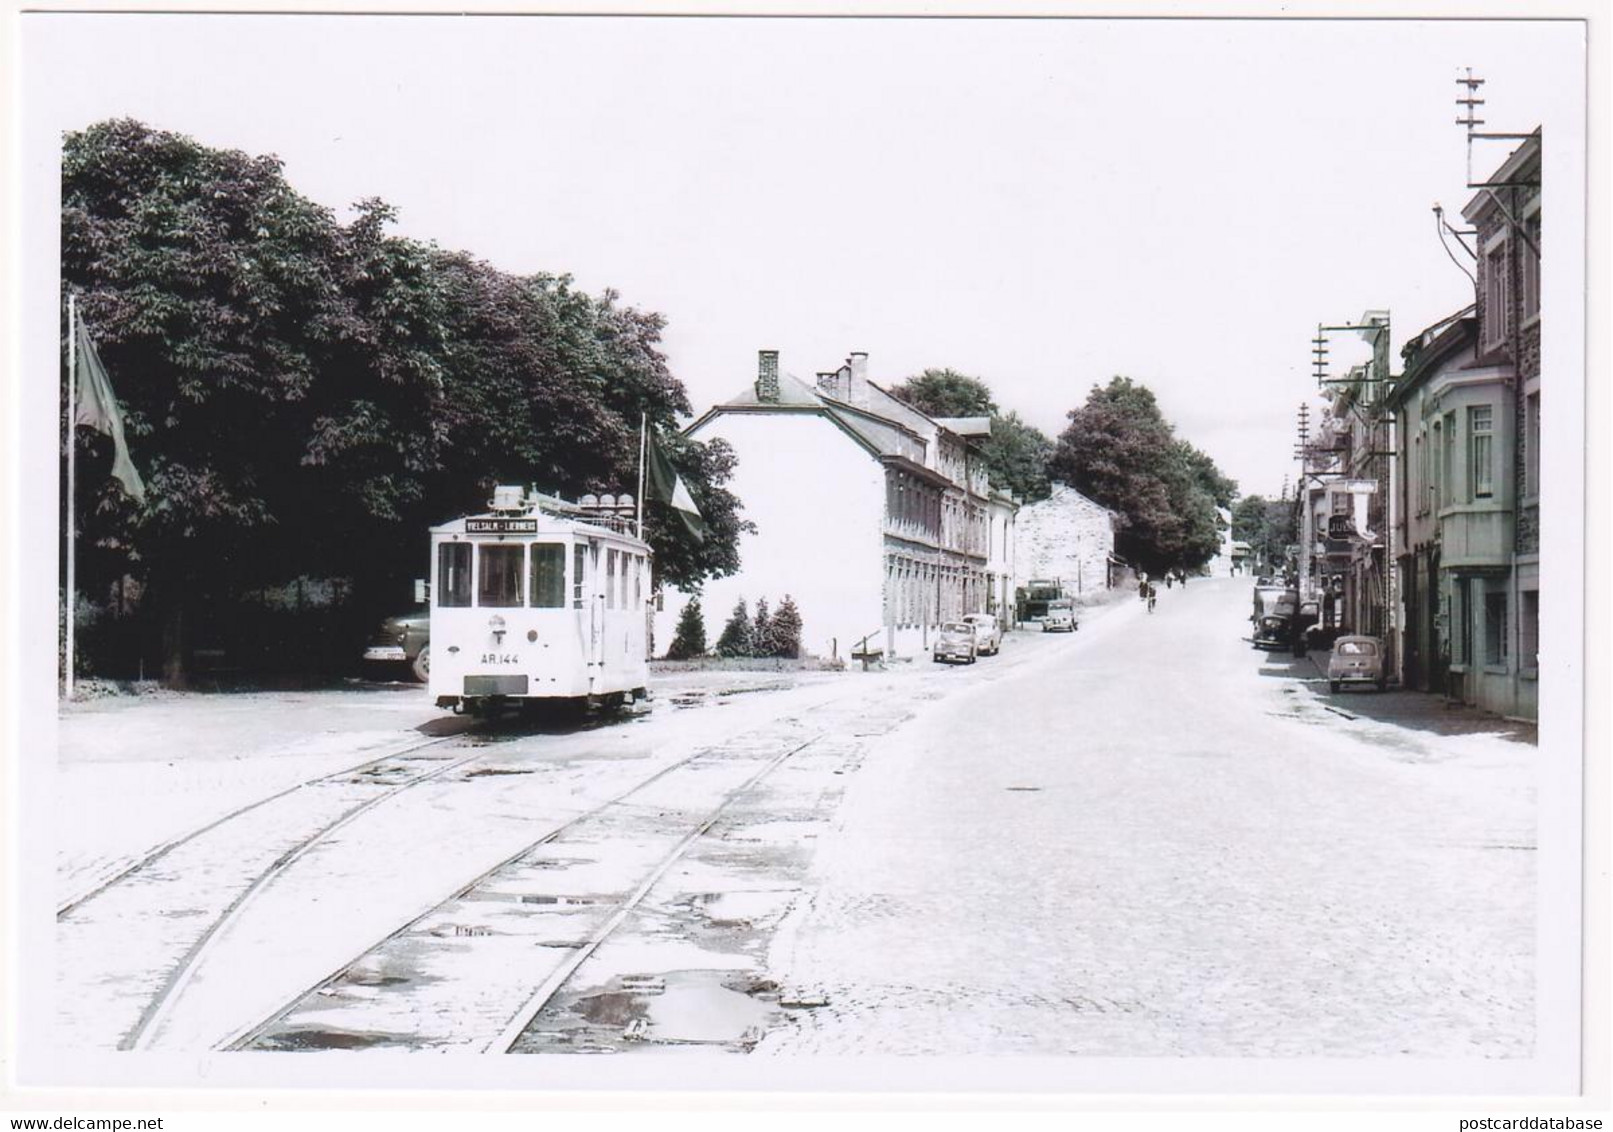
pixel 402 642
pixel 1060 617
pixel 956 643
pixel 1276 618
pixel 1356 660
pixel 988 632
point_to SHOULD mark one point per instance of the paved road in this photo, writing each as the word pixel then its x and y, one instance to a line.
pixel 1159 842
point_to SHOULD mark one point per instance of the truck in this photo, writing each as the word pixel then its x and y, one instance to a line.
pixel 1035 597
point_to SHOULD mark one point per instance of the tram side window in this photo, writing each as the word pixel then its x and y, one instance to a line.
pixel 579 576
pixel 638 580
pixel 610 579
pixel 546 585
pixel 499 580
pixel 453 574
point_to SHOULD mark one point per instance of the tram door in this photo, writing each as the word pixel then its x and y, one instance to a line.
pixel 596 618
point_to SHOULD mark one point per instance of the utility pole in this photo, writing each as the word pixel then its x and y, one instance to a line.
pixel 1300 498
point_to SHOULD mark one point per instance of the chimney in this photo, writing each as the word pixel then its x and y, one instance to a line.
pixel 828 384
pixel 857 393
pixel 767 376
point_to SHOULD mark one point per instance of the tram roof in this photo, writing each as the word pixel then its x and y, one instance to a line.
pixel 534 521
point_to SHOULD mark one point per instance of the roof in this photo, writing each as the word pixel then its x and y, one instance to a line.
pixel 887 427
pixel 1435 346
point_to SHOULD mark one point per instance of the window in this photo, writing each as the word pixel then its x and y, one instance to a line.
pixel 610 579
pixel 546 579
pixel 498 582
pixel 1531 445
pixel 1495 628
pixel 1529 629
pixel 1480 421
pixel 453 575
pixel 1421 464
pixel 1497 296
pixel 1530 270
pixel 638 581
pixel 1447 461
pixel 579 576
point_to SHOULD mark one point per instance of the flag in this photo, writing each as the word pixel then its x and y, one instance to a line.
pixel 98 408
pixel 667 486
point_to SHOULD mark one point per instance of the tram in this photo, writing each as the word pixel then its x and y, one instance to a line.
pixel 539 601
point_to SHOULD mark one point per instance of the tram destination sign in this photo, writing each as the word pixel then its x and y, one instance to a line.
pixel 501 526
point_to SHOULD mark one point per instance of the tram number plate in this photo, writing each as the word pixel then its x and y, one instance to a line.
pixel 501 526
pixel 501 658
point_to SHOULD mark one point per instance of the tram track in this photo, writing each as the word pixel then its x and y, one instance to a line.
pixel 178 977
pixel 534 1003
pixel 157 853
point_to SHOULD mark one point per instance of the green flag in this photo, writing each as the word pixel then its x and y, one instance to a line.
pixel 667 486
pixel 98 408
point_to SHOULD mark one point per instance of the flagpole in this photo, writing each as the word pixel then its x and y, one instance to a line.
pixel 72 447
pixel 643 445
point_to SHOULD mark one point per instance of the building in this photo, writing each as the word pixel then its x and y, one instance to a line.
pixel 1069 537
pixel 1233 555
pixel 876 519
pixel 1468 413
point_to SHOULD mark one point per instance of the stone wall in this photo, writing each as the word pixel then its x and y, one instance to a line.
pixel 1065 536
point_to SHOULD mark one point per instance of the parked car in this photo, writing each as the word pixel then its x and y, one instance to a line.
pixel 403 642
pixel 956 642
pixel 1356 660
pixel 1060 617
pixel 988 632
pixel 1275 618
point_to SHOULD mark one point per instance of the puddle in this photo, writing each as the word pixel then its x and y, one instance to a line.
pixel 485 771
pixel 312 1038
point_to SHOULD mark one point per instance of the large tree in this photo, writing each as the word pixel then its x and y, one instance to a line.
pixel 305 396
pixel 1268 526
pixel 1016 453
pixel 1119 450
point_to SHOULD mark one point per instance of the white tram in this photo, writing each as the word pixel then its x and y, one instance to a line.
pixel 539 600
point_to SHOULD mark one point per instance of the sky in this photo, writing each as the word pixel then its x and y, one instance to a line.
pixel 1041 203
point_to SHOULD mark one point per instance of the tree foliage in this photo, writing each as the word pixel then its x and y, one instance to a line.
pixel 738 637
pixel 1016 454
pixel 305 396
pixel 1268 526
pixel 1120 451
pixel 689 639
pixel 784 633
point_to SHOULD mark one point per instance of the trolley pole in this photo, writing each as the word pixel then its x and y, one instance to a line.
pixel 72 446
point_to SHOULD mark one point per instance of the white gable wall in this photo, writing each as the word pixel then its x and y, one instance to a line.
pixel 1065 536
pixel 817 499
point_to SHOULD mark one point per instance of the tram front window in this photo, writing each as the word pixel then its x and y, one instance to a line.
pixel 546 587
pixel 453 575
pixel 498 582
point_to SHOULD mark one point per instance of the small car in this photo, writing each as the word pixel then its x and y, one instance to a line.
pixel 403 641
pixel 988 632
pixel 957 642
pixel 1060 617
pixel 1356 660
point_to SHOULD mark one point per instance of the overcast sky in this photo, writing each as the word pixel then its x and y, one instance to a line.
pixel 1042 203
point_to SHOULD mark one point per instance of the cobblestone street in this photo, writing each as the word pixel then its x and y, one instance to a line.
pixel 1166 843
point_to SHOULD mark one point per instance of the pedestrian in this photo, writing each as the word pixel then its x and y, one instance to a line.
pixel 1152 593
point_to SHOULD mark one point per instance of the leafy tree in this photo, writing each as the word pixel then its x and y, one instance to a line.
pixel 1016 453
pixel 1119 450
pixel 784 632
pixel 946 393
pixel 689 639
pixel 305 397
pixel 1268 526
pixel 738 637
